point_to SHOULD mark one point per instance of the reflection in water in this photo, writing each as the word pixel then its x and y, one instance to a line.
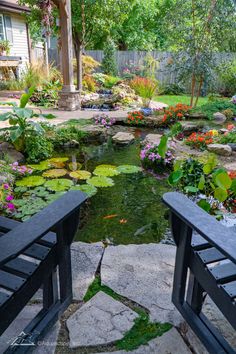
pixel 129 212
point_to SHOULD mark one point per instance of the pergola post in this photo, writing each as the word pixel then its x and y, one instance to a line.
pixel 69 98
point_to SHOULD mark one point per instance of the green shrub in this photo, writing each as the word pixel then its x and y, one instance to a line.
pixel 37 148
pixel 110 81
pixel 227 74
pixel 210 108
pixel 64 135
pixel 171 89
pixel 145 88
pixel 109 64
pixel 47 94
pixel 228 138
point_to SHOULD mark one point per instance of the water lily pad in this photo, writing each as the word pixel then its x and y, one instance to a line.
pixel 42 166
pixel 107 166
pixel 20 189
pixel 81 174
pixel 106 171
pixel 58 185
pixel 55 173
pixel 30 181
pixel 52 197
pixel 86 188
pixel 129 169
pixel 100 181
pixel 73 166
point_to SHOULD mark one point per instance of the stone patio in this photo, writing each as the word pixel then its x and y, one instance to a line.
pixel 142 276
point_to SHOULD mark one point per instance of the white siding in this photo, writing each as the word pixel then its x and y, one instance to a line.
pixel 20 41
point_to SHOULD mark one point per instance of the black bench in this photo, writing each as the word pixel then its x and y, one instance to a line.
pixel 36 254
pixel 205 265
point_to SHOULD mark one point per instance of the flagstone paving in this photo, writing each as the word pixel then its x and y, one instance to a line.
pixel 101 320
pixel 142 274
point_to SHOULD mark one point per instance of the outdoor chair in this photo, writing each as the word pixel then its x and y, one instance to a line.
pixel 205 265
pixel 34 254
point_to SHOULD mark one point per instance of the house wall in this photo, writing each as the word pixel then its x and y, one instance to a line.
pixel 19 46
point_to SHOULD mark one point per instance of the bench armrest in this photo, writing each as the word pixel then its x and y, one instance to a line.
pixel 17 240
pixel 220 236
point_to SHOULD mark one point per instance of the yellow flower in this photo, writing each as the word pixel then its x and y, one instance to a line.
pixel 214 132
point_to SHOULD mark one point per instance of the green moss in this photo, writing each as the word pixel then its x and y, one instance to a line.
pixel 96 286
pixel 142 332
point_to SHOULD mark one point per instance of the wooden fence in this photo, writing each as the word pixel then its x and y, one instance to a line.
pixel 165 73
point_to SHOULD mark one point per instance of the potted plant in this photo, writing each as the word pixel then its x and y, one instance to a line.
pixel 4 47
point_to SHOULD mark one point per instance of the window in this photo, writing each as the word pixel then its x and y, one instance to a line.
pixel 6 28
pixel 2 28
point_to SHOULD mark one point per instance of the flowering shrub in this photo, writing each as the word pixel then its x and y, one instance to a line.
pixel 6 199
pixel 135 118
pixel 200 140
pixel 151 158
pixel 175 113
pixel 104 119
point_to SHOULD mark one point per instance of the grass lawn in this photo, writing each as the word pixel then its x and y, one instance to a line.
pixel 172 100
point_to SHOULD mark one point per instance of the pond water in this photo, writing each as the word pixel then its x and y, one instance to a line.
pixel 129 212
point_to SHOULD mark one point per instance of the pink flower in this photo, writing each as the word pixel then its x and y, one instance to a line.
pixel 9 198
pixel 10 206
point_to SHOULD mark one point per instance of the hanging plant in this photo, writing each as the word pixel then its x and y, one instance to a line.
pixel 58 185
pixel 86 188
pixel 31 181
pixel 101 181
pixel 55 173
pixel 46 7
pixel 81 174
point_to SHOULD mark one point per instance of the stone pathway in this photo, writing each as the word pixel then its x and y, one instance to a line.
pixel 142 275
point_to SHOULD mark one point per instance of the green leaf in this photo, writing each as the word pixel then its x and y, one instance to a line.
pixel 86 188
pixel 220 194
pixel 129 169
pixel 100 181
pixel 223 180
pixel 26 96
pixel 233 186
pixel 191 189
pixel 175 177
pixel 48 116
pixel 201 183
pixel 16 134
pixel 5 116
pixel 55 173
pixel 58 185
pixel 162 147
pixel 42 166
pixel 30 181
pixel 204 205
pixel 106 171
pixel 80 174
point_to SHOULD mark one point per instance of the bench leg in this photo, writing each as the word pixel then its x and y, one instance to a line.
pixel 50 290
pixel 195 297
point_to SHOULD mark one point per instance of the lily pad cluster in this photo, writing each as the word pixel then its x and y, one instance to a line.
pixel 36 191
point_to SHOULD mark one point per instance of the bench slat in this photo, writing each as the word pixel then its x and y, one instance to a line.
pixel 49 239
pixel 20 265
pixel 198 242
pixel 10 281
pixel 3 298
pixel 210 255
pixel 230 288
pixel 224 272
pixel 37 251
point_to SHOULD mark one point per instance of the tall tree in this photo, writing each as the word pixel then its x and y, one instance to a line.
pixel 195 31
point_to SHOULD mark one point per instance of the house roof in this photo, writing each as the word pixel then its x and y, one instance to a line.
pixel 13 6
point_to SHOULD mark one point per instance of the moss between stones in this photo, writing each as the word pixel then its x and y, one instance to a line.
pixel 142 331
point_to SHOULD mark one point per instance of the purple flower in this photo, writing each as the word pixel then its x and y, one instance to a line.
pixel 9 198
pixel 10 206
pixel 6 186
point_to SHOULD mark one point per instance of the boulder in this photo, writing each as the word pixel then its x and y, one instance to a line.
pixel 190 127
pixel 220 149
pixel 123 138
pixel 233 146
pixel 152 139
pixel 9 150
pixel 219 118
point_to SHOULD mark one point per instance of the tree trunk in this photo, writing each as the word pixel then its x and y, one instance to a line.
pixel 198 92
pixel 192 89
